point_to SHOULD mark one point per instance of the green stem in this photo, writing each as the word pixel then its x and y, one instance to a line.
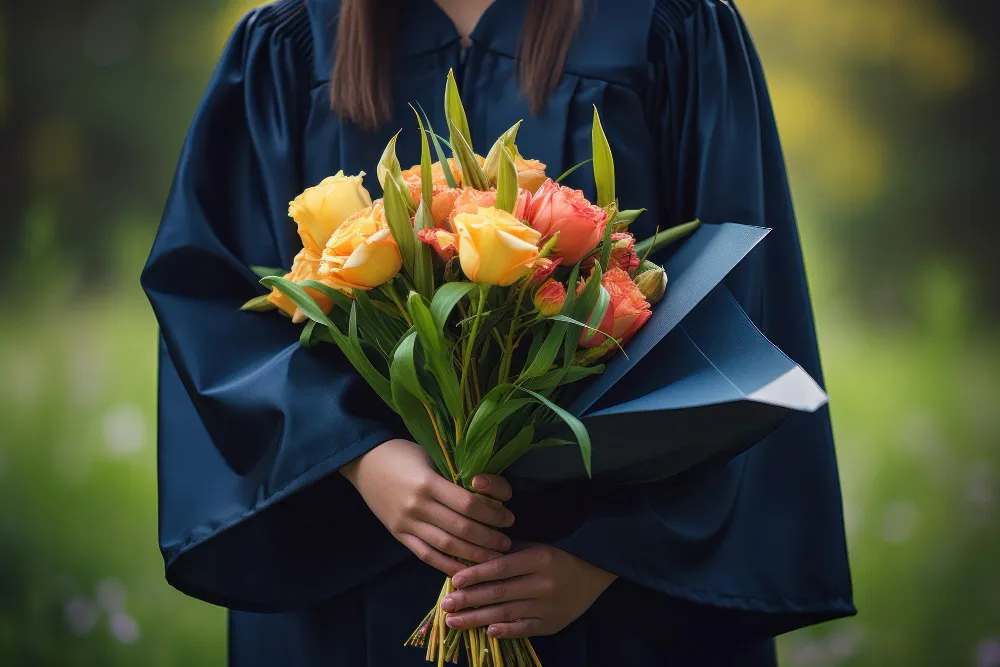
pixel 389 290
pixel 509 348
pixel 471 341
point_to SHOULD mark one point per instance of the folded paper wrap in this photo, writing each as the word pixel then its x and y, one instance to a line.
pixel 703 383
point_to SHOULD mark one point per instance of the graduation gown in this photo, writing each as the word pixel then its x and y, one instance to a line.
pixel 253 427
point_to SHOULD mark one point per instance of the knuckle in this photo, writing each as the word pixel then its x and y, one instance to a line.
pixel 462 527
pixel 468 503
pixel 548 587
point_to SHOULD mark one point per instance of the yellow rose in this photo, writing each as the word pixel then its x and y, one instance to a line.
pixel 494 247
pixel 361 254
pixel 530 174
pixel 305 267
pixel 320 210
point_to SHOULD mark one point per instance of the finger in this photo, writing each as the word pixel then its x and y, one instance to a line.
pixel 505 567
pixel 493 486
pixel 525 627
pixel 497 613
pixel 430 555
pixel 450 545
pixel 495 592
pixel 470 505
pixel 463 527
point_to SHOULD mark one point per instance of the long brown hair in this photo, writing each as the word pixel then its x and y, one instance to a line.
pixel 362 71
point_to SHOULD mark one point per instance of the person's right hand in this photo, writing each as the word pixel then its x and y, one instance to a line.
pixel 432 517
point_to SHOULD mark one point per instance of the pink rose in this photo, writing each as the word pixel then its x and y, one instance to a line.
pixel 626 313
pixel 556 209
pixel 444 243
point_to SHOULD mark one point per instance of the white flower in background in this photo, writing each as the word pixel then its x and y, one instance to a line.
pixel 124 430
pixel 87 371
pixel 81 615
pixel 988 653
pixel 845 639
pixel 899 521
pixel 979 486
pixel 111 595
pixel 123 628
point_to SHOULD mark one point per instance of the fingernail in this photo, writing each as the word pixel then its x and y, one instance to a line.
pixel 505 544
pixel 458 582
pixel 494 631
pixel 510 518
pixel 448 604
pixel 480 483
pixel 451 621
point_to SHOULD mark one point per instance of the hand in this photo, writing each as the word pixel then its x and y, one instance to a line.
pixel 537 591
pixel 432 517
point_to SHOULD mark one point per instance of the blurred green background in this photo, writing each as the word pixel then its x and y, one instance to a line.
pixel 888 116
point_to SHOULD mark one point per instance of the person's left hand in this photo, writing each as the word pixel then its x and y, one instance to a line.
pixel 536 591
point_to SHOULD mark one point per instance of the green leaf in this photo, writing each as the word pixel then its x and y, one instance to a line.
pixel 604 164
pixel 596 317
pixel 629 216
pixel 563 376
pixel 507 187
pixel 426 178
pixel 663 239
pixel 518 446
pixel 472 174
pixel 339 299
pixel 445 300
pixel 579 430
pixel 546 354
pixel 306 338
pixel 449 176
pixel 612 211
pixel 491 167
pixel 479 439
pixel 347 344
pixel 410 408
pixel 267 272
pixel 423 262
pixel 438 354
pixel 572 169
pixel 407 369
pixel 582 309
pixel 259 304
pixel 454 111
pixel 397 214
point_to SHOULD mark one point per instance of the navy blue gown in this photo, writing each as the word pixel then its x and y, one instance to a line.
pixel 253 427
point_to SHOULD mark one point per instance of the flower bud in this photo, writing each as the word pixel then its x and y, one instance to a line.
pixel 550 297
pixel 652 284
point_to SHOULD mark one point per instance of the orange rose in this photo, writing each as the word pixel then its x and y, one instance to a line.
pixel 471 200
pixel 562 210
pixel 550 297
pixel 530 174
pixel 437 172
pixel 626 313
pixel 442 200
pixel 305 267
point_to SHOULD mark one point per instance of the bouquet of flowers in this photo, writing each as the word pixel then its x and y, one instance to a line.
pixel 470 297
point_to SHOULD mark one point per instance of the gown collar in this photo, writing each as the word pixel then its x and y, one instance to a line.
pixel 424 28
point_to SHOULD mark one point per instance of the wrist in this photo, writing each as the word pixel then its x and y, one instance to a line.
pixel 353 470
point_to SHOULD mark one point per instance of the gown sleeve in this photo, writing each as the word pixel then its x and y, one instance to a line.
pixel 252 426
pixel 756 545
